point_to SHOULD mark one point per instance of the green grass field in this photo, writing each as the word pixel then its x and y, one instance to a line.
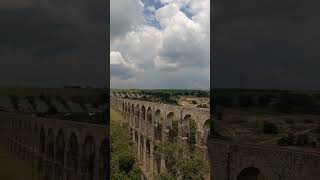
pixel 12 169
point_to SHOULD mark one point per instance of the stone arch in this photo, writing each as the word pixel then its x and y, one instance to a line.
pixel 143 118
pixel 148 151
pixel 149 122
pixel 189 129
pixel 35 138
pixel 60 146
pixel 158 125
pixel 206 131
pixel 73 153
pixel 104 159
pixel 129 112
pixel 125 111
pixel 137 116
pixel 185 125
pixel 50 144
pixel 132 112
pixel 88 157
pixel 141 148
pixel 42 141
pixel 250 173
pixel 136 142
pixel 123 107
pixel 172 127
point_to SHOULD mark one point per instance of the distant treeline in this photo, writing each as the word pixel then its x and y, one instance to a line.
pixel 278 101
pixel 163 96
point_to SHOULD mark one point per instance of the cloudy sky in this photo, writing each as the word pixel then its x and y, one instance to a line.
pixel 160 44
pixel 53 42
pixel 267 44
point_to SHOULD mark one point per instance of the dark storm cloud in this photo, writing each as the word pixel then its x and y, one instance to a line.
pixel 266 44
pixel 54 42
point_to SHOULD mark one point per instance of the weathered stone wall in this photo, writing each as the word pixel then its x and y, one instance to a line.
pixel 228 160
pixel 144 119
pixel 58 149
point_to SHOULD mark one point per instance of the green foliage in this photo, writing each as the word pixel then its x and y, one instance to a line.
pixel 126 163
pixel 192 134
pixel 181 162
pixel 173 132
pixel 122 160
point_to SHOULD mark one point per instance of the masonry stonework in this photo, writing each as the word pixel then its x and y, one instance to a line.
pixel 58 149
pixel 234 161
pixel 150 122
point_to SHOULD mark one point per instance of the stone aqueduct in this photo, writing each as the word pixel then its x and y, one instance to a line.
pixel 58 149
pixel 150 122
pixel 234 161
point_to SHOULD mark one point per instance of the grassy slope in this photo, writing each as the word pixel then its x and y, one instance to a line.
pixel 119 134
pixel 120 139
pixel 11 169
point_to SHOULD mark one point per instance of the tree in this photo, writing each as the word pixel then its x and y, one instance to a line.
pixel 181 162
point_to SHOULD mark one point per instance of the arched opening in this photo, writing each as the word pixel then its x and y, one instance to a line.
pixel 88 158
pixel 137 116
pixel 206 131
pixel 185 126
pixel 192 133
pixel 42 141
pixel 158 125
pixel 50 145
pixel 132 114
pixel 60 155
pixel 141 148
pixel 172 127
pixel 149 122
pixel 125 111
pixel 157 160
pixel 36 140
pixel 189 130
pixel 143 118
pixel 129 113
pixel 148 155
pixel 50 153
pixel 104 159
pixel 122 112
pixel 73 153
pixel 60 147
pixel 250 173
pixel 136 140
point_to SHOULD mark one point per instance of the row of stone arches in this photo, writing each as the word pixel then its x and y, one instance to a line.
pixel 56 148
pixel 155 124
pixel 150 123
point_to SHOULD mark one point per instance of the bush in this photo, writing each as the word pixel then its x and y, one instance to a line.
pixel 126 163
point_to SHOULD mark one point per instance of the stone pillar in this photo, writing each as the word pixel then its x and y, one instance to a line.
pixel 65 163
pixel 144 154
pixel 151 158
pixel 138 146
